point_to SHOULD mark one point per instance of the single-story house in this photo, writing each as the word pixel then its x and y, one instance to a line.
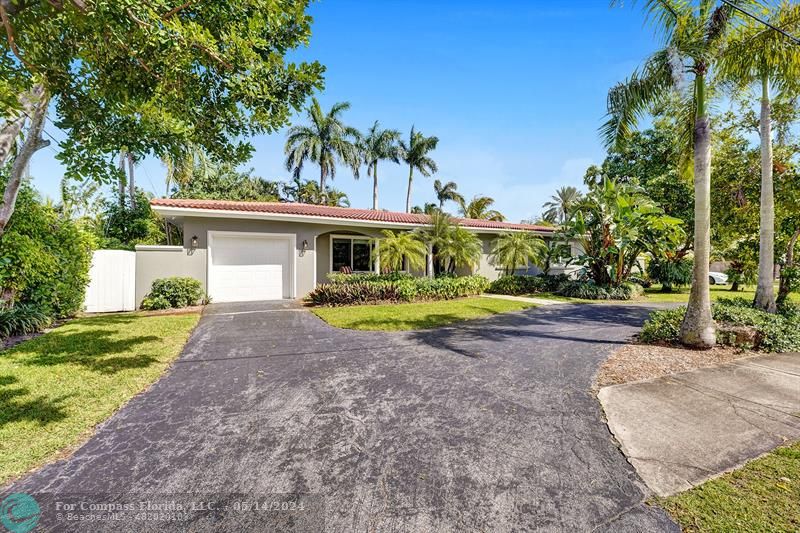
pixel 268 250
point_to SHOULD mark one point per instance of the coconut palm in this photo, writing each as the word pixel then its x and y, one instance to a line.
pixel 326 140
pixel 693 35
pixel 462 248
pixel 560 206
pixel 378 145
pixel 445 192
pixel 479 207
pixel 762 56
pixel 395 247
pixel 415 155
pixel 517 249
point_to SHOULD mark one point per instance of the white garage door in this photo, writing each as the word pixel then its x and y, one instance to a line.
pixel 247 267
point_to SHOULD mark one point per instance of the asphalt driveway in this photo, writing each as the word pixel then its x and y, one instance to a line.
pixel 485 426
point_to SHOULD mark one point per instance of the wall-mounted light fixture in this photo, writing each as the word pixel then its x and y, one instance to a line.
pixel 303 247
pixel 194 242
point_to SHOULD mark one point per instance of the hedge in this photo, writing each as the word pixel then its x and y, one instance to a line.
pixel 355 289
pixel 739 324
pixel 563 286
pixel 167 293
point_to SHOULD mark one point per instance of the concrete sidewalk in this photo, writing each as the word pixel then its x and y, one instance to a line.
pixel 537 301
pixel 680 430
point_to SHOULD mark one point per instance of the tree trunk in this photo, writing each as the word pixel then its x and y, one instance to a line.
pixel 375 186
pixel 765 293
pixel 698 328
pixel 785 286
pixel 11 129
pixel 33 142
pixel 121 184
pixel 323 195
pixel 131 182
pixel 429 261
pixel 408 194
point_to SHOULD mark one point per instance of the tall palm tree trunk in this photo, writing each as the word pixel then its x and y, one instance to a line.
pixel 131 182
pixel 408 194
pixel 698 329
pixel 375 186
pixel 765 294
pixel 323 194
pixel 121 184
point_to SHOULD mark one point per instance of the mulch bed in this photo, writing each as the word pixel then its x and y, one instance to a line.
pixel 637 362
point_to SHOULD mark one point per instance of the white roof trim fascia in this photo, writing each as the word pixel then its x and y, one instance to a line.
pixel 169 211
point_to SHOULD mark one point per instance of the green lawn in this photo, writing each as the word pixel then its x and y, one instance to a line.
pixel 398 317
pixel 55 388
pixel 763 496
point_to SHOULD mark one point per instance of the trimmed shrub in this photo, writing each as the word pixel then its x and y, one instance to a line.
pixel 739 323
pixel 516 285
pixel 173 292
pixel 670 274
pixel 22 319
pixel 355 289
pixel 589 291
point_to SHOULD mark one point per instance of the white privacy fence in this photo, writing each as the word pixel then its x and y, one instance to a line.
pixel 112 282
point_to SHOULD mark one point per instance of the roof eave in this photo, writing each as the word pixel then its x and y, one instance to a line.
pixel 178 212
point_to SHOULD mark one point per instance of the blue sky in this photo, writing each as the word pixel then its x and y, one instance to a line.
pixel 514 90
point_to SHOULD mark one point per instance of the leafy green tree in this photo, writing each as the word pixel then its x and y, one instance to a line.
pixel 515 249
pixel 480 208
pixel 44 258
pixel 395 247
pixel 436 236
pixel 763 56
pixel 446 191
pixel 378 145
pixel 123 227
pixel 693 36
pixel 415 155
pixel 147 78
pixel 224 182
pixel 324 141
pixel 616 223
pixel 559 207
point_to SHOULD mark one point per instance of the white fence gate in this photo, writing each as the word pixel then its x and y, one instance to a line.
pixel 112 282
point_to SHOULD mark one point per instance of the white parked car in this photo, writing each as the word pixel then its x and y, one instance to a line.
pixel 717 278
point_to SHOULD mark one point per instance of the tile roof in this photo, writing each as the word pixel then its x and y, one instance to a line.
pixel 347 213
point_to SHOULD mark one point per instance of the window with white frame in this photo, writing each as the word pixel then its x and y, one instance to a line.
pixel 353 252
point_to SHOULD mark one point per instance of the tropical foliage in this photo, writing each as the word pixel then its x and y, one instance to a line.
pixel 479 207
pixel 397 249
pixel 415 154
pixel 324 141
pixel 378 145
pixel 560 206
pixel 615 224
pixel 446 192
pixel 513 250
pixel 449 245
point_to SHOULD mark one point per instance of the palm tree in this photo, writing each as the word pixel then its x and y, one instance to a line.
pixel 478 207
pixel 759 55
pixel 559 207
pixel 435 236
pixel 445 192
pixel 462 248
pixel 395 247
pixel 693 34
pixel 427 209
pixel 378 145
pixel 415 155
pixel 324 141
pixel 515 249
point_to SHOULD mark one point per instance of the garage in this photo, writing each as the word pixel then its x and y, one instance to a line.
pixel 250 266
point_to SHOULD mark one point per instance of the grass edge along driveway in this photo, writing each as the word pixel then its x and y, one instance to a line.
pixel 54 389
pixel 762 496
pixel 417 315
